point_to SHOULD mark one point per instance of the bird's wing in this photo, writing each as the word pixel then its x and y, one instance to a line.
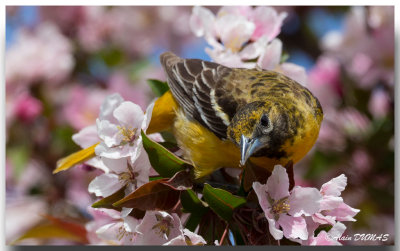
pixel 194 84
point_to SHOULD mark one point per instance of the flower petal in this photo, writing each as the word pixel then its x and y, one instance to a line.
pixel 108 132
pixel 278 183
pixel 86 137
pixel 343 212
pixel 109 104
pixel 117 166
pixel 130 223
pixel 255 49
pixel 271 57
pixel 105 185
pixel 274 227
pixel 195 239
pixel 323 239
pixel 335 186
pixel 234 31
pixel 330 202
pixel 293 227
pixel 129 115
pixel 322 219
pixel 304 201
pixel 147 116
pixel 157 228
pixel 261 192
pixel 295 72
pixel 141 167
pixel 268 22
pixel 202 21
pixel 109 231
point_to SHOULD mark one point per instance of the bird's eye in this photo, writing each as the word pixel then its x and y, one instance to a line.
pixel 264 120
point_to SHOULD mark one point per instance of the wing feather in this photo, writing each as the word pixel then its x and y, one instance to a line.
pixel 192 83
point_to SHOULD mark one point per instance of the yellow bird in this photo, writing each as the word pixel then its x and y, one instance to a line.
pixel 224 117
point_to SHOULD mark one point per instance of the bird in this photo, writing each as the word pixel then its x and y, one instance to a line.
pixel 230 117
pixel 227 117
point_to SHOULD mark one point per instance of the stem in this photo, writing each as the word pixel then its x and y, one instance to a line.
pixel 224 234
pixel 176 206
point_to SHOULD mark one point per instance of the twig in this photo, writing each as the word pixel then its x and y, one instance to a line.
pixel 224 234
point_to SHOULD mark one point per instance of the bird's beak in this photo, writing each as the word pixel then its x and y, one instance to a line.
pixel 247 148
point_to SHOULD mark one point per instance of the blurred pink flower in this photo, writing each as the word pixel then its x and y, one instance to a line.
pixel 82 106
pixel 137 92
pixel 29 61
pixel 67 18
pixel 331 136
pixel 324 81
pixel 285 209
pixel 366 46
pixel 97 25
pixel 21 214
pixel 379 103
pixel 27 108
pixel 354 124
pixel 361 161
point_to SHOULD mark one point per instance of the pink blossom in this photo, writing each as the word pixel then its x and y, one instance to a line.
pixel 95 29
pixel 356 46
pixel 268 22
pixel 379 103
pixel 161 228
pixel 324 81
pixel 27 108
pixel 361 161
pixel 111 227
pixel 82 106
pixel 68 18
pixel 284 209
pixel 29 61
pixel 137 92
pixel 119 126
pixel 21 214
pixel 123 172
pixel 353 123
pixel 332 204
pixel 329 238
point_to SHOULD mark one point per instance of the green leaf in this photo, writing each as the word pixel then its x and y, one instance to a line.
pixel 223 203
pixel 19 157
pixel 108 201
pixel 284 58
pixel 193 221
pixel 158 87
pixel 191 203
pixel 162 160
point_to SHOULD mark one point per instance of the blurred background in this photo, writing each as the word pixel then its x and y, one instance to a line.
pixel 61 62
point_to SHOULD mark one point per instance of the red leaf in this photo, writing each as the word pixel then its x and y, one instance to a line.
pixel 162 194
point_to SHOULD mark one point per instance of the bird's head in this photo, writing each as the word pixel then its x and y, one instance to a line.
pixel 258 129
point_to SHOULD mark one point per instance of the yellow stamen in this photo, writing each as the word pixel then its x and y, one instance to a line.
pixel 129 134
